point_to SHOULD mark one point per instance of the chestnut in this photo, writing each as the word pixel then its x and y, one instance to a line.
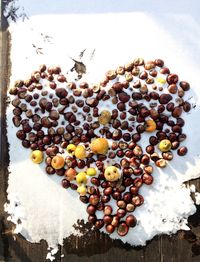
pixel 121 212
pixel 107 219
pixel 107 210
pixel 147 179
pixel 105 199
pixel 21 134
pixel 137 182
pixel 121 203
pixel 123 229
pixel 65 182
pixel 134 190
pixel 127 197
pixel 110 229
pixel 130 207
pixel 182 151
pixel 148 169
pixel 116 195
pixel 131 221
pixel 99 224
pixel 108 191
pixel 161 163
pixel 84 199
pixel 92 219
pixel 91 209
pixel 115 221
pixel 167 155
pixel 137 200
pixel 150 149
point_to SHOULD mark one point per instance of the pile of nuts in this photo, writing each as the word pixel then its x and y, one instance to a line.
pixel 54 117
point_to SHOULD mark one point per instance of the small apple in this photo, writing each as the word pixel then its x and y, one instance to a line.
pixel 105 117
pixel 91 171
pixel 112 173
pixel 165 145
pixel 37 156
pixel 99 146
pixel 81 178
pixel 80 152
pixel 57 162
pixel 82 190
pixel 70 149
pixel 150 125
pixel 70 174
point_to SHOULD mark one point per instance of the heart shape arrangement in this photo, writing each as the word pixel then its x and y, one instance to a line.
pixel 91 134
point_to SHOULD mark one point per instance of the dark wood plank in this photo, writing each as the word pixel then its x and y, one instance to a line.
pixel 3 147
pixel 152 252
pixel 96 246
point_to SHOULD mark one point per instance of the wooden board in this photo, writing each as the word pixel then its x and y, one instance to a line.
pixel 94 246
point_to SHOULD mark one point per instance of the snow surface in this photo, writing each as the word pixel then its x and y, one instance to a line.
pixel 112 33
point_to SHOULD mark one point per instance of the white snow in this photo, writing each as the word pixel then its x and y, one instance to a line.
pixel 197 198
pixel 118 31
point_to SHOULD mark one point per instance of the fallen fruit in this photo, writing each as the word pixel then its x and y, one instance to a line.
pixel 82 190
pixel 150 125
pixel 71 148
pixel 131 221
pixel 165 145
pixel 161 80
pixel 70 174
pixel 105 117
pixel 122 229
pixel 37 156
pixel 112 173
pixel 57 162
pixel 80 152
pixel 81 178
pixel 91 171
pixel 99 146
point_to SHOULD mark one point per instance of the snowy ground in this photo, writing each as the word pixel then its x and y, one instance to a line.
pixel 111 34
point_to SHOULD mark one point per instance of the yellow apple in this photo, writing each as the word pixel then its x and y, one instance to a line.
pixel 165 145
pixel 112 173
pixel 57 162
pixel 91 171
pixel 37 156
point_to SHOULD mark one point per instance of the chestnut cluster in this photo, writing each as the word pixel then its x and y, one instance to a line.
pixel 50 113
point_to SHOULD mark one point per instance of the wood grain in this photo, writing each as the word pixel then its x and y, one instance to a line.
pixel 94 246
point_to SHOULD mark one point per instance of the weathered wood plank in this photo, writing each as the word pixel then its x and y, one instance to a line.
pixel 96 246
pixel 3 159
pixel 152 252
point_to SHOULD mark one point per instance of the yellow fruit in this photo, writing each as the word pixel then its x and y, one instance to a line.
pixel 161 80
pixel 91 171
pixel 165 145
pixel 81 178
pixel 70 174
pixel 58 162
pixel 37 156
pixel 99 146
pixel 80 152
pixel 71 148
pixel 150 125
pixel 105 117
pixel 82 190
pixel 112 173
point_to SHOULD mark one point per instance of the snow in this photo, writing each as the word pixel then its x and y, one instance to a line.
pixel 197 198
pixel 112 33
